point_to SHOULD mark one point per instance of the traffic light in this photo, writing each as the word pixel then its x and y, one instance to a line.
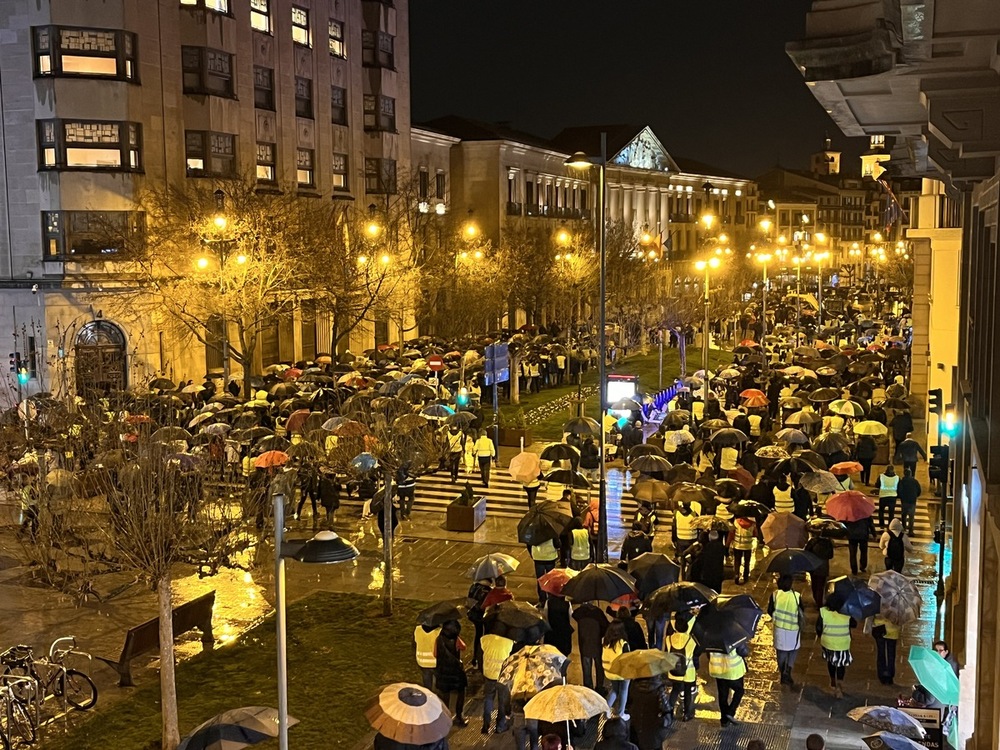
pixel 935 401
pixel 938 468
pixel 462 397
pixel 15 358
pixel 950 423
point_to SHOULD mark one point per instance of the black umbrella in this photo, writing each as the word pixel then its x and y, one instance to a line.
pixel 569 477
pixel 582 426
pixel 519 621
pixel 438 614
pixel 749 509
pixel 645 449
pixel 729 489
pixel 598 582
pixel 271 443
pixel 653 570
pixel 812 457
pixel 560 452
pixel 826 527
pixel 792 561
pixel 726 622
pixel 831 442
pixel 650 464
pixel 683 472
pixel 858 600
pixel 677 418
pixel 541 523
pixel 794 465
pixel 729 436
pixel 679 597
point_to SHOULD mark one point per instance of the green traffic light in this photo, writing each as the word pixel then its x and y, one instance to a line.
pixel 22 376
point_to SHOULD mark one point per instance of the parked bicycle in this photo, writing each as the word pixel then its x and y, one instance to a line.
pixel 54 678
pixel 19 725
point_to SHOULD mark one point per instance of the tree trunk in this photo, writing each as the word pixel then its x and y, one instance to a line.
pixel 168 679
pixel 387 546
pixel 682 351
pixel 515 381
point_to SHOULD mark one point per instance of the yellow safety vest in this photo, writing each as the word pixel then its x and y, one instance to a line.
pixel 783 502
pixel 455 442
pixel 581 545
pixel 743 540
pixel 786 610
pixel 496 649
pixel 836 631
pixel 608 655
pixel 887 486
pixel 544 552
pixel 726 666
pixel 683 644
pixel 891 628
pixel 683 526
pixel 425 646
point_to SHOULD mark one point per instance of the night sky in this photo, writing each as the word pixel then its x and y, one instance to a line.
pixel 710 76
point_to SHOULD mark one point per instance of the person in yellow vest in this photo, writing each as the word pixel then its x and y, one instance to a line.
pixel 496 649
pixel 886 635
pixel 544 555
pixel 742 536
pixel 728 670
pixel 684 532
pixel 579 547
pixel 423 640
pixel 834 630
pixel 683 677
pixel 786 611
pixel 886 488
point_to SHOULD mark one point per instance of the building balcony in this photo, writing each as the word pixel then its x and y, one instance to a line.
pixel 682 219
pixel 513 209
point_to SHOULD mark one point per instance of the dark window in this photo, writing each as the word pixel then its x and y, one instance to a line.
pixel 207 71
pixel 301 33
pixel 440 185
pixel 217 6
pixel 94 234
pixel 381 331
pixel 260 15
pixel 266 165
pixel 31 361
pixel 336 34
pixel 380 176
pixel 210 154
pixel 377 49
pixel 380 113
pixel 338 105
pixel 423 184
pixel 305 170
pixel 529 193
pixel 87 53
pixel 339 170
pixel 303 97
pixel 90 145
pixel 263 87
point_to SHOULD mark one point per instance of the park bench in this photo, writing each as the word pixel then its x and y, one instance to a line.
pixel 145 638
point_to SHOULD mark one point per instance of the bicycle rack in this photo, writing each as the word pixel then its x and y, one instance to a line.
pixel 31 688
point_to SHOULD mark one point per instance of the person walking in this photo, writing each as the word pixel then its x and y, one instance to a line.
pixel 908 491
pixel 823 549
pixel 785 608
pixel 590 459
pixel 886 635
pixel 885 488
pixel 683 678
pixel 475 610
pixel 728 670
pixel 894 545
pixel 498 594
pixel 615 643
pixel 496 649
pixel 406 487
pixel 635 543
pixel 649 711
pixel 424 639
pixel 865 452
pixel 484 451
pixel 615 736
pixel 591 625
pixel 545 555
pixel 857 542
pixel 449 673
pixel 783 500
pixel 531 488
pixel 909 451
pixel 834 630
pixel 708 568
pixel 684 533
pixel 579 547
pixel 742 536
pixel 456 449
pixel 557 612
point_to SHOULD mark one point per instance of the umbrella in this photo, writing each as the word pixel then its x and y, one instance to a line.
pixel 599 581
pixel 726 622
pixel 650 490
pixel 870 427
pixel 820 482
pixel 749 508
pixel 677 438
pixel 783 530
pixel 560 452
pixel 751 392
pixel 826 527
pixel 305 450
pixel 566 703
pixel 708 523
pixel 270 459
pixel 677 597
pixel 270 443
pixel 689 492
pixel 731 489
pixel 822 395
pixel 711 425
pixel 169 434
pixel 364 462
pixel 519 621
pixel 296 420
pixel 582 426
pixel 811 457
pixel 568 477
pixel 677 418
pixel 219 428
pixel 532 669
pixel 524 467
pixel 626 404
pixel 652 571
pixel 793 465
pixel 492 565
pixel 162 384
pixel 935 674
pixel 409 714
pixel 889 719
pixel 415 392
pixel 802 418
pixel 236 728
pixel 437 411
pixel 792 561
pixel 756 402
pixel 847 408
pixel 859 601
pixel 846 467
pixel 729 436
pixel 60 478
pixel 201 418
pixel 645 449
pixel 772 451
pixel 553 581
pixel 850 505
pixel 542 522
pixel 897 404
pixel 792 436
pixel 650 464
pixel 438 614
pixel 461 418
pixel 644 662
pixel 891 741
pixel 901 600
pixel 831 442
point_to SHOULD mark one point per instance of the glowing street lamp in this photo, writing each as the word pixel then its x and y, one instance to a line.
pixel 764 259
pixel 707 266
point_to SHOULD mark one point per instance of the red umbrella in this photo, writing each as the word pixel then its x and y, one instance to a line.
pixel 749 342
pixel 846 467
pixel 755 402
pixel 553 581
pixel 750 392
pixel 271 459
pixel 850 505
pixel 350 428
pixel 742 476
pixel 292 373
pixel 296 419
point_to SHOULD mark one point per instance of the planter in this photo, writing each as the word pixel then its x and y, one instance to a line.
pixel 512 437
pixel 462 517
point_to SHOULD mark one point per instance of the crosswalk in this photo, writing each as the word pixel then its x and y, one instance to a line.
pixel 505 498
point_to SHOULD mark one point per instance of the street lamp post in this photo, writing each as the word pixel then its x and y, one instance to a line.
pixel 707 266
pixel 819 258
pixel 580 160
pixel 764 259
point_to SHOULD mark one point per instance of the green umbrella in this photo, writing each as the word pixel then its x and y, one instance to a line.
pixel 935 674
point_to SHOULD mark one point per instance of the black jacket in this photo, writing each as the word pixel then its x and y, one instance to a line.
pixel 450 672
pixel 859 531
pixel 648 705
pixel 591 625
pixel 908 490
pixel 634 544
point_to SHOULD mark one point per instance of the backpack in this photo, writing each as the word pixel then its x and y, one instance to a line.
pixel 895 550
pixel 475 598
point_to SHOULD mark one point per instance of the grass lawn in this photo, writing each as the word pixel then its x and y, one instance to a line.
pixel 340 654
pixel 645 366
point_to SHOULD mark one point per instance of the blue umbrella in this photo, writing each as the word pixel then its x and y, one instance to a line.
pixel 364 462
pixel 234 729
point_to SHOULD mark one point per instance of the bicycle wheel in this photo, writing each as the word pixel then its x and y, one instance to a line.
pixel 21 724
pixel 79 689
pixel 4 742
pixel 20 691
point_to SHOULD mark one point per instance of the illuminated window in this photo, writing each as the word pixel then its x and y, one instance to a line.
pixel 207 71
pixel 377 49
pixel 260 15
pixel 380 113
pixel 339 169
pixel 263 87
pixel 305 172
pixel 380 176
pixel 97 234
pixel 338 105
pixel 86 53
pixel 337 48
pixel 303 97
pixel 301 33
pixel 216 6
pixel 209 154
pixel 265 162
pixel 90 145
